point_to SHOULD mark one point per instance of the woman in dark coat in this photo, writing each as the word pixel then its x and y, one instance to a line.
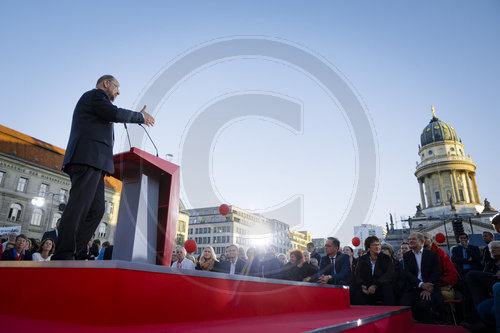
pixel 297 269
pixel 374 276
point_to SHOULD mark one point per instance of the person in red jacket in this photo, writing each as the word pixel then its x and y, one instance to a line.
pixel 449 274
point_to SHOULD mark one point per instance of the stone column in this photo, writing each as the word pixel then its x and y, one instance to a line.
pixel 422 197
pixel 455 186
pixel 441 192
pixel 469 187
pixel 429 194
pixel 452 188
pixel 474 186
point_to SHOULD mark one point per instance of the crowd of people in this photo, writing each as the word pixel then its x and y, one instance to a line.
pixel 420 274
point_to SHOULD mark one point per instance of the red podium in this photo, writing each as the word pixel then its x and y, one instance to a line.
pixel 149 208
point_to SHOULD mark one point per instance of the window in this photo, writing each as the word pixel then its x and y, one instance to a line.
pixel 438 197
pixel 461 193
pixel 15 212
pixel 43 190
pixel 55 217
pixel 2 176
pixel 36 218
pixel 62 195
pixel 102 230
pixel 21 184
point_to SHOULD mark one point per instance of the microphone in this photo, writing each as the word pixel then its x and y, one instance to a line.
pixel 128 136
pixel 144 128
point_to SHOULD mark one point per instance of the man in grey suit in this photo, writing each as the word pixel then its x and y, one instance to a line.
pixel 89 156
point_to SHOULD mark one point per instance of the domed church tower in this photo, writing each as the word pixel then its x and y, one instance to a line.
pixel 446 176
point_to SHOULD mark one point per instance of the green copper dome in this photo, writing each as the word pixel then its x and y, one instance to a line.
pixel 437 131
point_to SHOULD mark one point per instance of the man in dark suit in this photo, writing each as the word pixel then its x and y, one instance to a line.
pixel 52 234
pixel 234 265
pixel 89 156
pixel 422 271
pixel 18 253
pixel 335 267
pixel 467 257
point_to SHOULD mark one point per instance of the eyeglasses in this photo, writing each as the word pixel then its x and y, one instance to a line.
pixel 116 85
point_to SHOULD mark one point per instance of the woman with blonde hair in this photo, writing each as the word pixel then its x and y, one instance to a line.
pixel 45 251
pixel 208 260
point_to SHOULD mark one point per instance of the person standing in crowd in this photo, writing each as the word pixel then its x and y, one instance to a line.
pixel 19 252
pixel 105 245
pixel 89 156
pixel 486 257
pixel 422 271
pixel 496 223
pixel 12 239
pixel 241 254
pixel 399 276
pixel 52 234
pixel 374 276
pixel 182 262
pixel 283 258
pixel 448 273
pixel 334 266
pixel 312 251
pixel 271 265
pixel 208 260
pixel 405 247
pixel 234 264
pixel 467 257
pixel 489 309
pixel 353 261
pixel 222 258
pixel 252 265
pixel 315 263
pixel 45 251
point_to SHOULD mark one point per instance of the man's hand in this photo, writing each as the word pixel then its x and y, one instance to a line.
pixel 364 290
pixel 425 295
pixel 372 289
pixel 427 286
pixel 148 119
pixel 324 279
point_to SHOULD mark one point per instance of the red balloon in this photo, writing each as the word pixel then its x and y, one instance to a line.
pixel 356 241
pixel 224 209
pixel 440 238
pixel 190 245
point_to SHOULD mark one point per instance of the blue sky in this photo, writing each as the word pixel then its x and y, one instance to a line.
pixel 400 57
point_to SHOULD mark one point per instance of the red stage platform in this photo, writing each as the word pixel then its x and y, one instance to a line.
pixel 112 296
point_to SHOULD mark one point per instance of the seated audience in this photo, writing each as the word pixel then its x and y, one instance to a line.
pixel 422 272
pixel 45 251
pixel 374 276
pixel 297 269
pixel 182 262
pixel 208 260
pixel 449 274
pixel 271 265
pixel 233 265
pixel 283 259
pixel 105 245
pixel 315 262
pixel 334 266
pixel 486 257
pixel 11 239
pixel 353 261
pixel 19 252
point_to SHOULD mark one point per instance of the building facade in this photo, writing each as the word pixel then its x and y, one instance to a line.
pixel 34 189
pixel 240 227
pixel 300 239
pixel 449 194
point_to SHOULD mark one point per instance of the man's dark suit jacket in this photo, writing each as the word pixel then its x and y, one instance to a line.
pixel 342 267
pixel 225 266
pixel 429 266
pixel 50 234
pixel 12 254
pixel 91 140
pixel 457 256
pixel 383 272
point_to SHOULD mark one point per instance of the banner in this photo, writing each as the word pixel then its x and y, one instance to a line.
pixel 8 230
